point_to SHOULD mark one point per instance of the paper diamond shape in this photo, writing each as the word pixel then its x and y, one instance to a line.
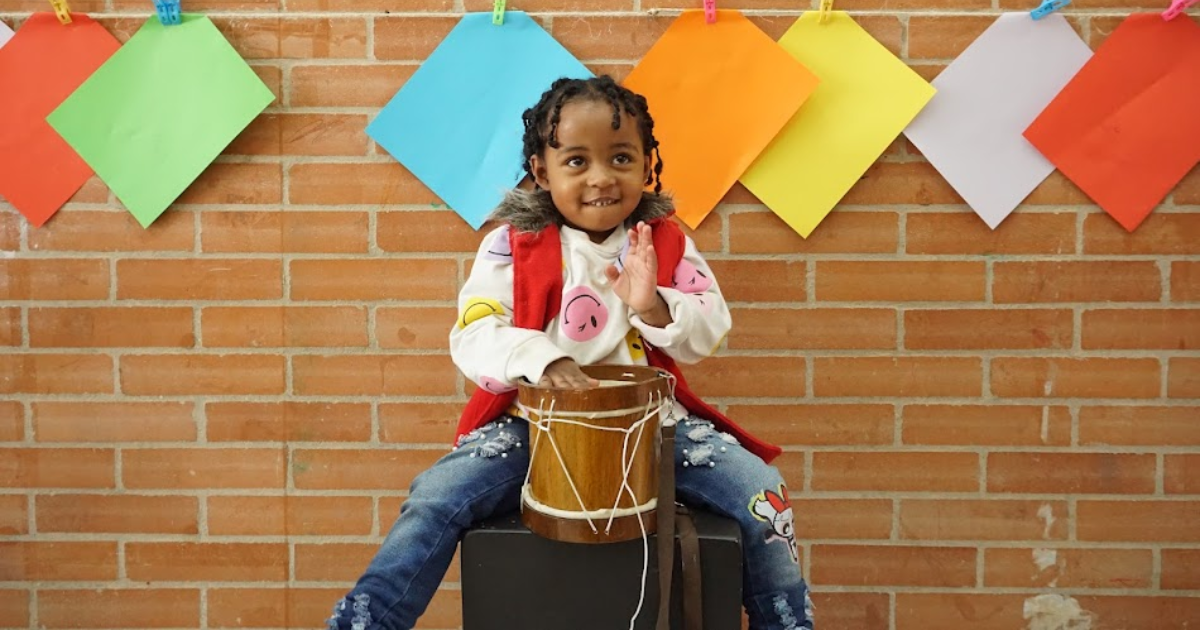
pixel 153 118
pixel 6 34
pixel 718 94
pixel 1126 128
pixel 865 99
pixel 39 67
pixel 456 124
pixel 971 130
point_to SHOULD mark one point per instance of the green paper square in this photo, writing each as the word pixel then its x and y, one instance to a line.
pixel 162 108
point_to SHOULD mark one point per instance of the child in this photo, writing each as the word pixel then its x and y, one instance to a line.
pixel 586 269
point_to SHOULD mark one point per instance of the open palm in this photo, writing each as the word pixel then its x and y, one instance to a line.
pixel 637 285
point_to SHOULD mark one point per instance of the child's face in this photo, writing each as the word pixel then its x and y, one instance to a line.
pixel 597 174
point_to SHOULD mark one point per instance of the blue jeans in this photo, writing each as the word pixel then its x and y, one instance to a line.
pixel 482 477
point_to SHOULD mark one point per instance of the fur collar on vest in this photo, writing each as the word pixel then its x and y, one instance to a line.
pixel 533 210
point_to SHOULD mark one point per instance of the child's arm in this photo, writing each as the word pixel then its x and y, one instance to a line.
pixel 686 321
pixel 484 343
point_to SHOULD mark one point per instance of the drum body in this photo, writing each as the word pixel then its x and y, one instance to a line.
pixel 594 455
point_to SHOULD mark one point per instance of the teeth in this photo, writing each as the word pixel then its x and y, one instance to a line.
pixel 601 203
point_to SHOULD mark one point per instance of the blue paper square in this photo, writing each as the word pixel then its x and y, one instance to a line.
pixel 456 124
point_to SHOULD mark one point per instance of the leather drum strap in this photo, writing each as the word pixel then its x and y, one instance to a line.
pixel 689 554
pixel 665 513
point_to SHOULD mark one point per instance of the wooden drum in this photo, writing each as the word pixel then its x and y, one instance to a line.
pixel 578 488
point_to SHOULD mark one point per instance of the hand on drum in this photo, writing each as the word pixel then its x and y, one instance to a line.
pixel 565 373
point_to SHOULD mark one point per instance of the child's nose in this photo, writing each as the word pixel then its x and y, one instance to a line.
pixel 600 177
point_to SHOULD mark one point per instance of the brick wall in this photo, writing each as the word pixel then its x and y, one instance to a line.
pixel 211 423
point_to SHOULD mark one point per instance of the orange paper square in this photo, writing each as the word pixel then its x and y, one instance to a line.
pixel 718 94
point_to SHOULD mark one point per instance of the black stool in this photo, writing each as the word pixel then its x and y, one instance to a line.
pixel 515 579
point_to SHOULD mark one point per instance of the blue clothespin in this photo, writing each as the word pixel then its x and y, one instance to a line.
pixel 498 13
pixel 1177 8
pixel 1047 7
pixel 168 11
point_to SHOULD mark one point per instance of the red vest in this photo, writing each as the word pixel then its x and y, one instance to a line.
pixel 537 297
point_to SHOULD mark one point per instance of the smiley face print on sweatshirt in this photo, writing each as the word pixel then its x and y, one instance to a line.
pixel 499 249
pixel 477 308
pixel 688 279
pixel 583 315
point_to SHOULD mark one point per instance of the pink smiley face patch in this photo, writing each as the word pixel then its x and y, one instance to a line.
pixel 583 314
pixel 495 386
pixel 499 250
pixel 688 279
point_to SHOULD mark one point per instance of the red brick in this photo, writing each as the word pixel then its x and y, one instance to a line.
pixel 1138 521
pixel 1139 426
pixel 813 328
pixel 205 562
pixel 610 37
pixel 373 375
pixel 896 471
pixel 1183 377
pixel 1188 190
pixel 10 238
pixel 231 183
pixel 33 561
pixel 814 424
pixel 296 38
pixel 56 468
pixel 1160 234
pixel 546 6
pixel 893 565
pixel 1154 612
pixel 421 423
pixel 425 231
pixel 964 233
pixel 10 326
pixel 1016 329
pixel 1070 473
pixel 336 562
pixel 53 279
pixel 983 519
pixel 374 184
pixel 411 279
pixel 272 77
pixel 347 85
pixel 1057 190
pixel 742 376
pixel 742 280
pixel 264 607
pixel 210 5
pixel 843 519
pixel 1076 281
pixel 848 232
pixel 111 327
pixel 284 326
pixel 303 135
pixel 887 183
pixel 289 421
pixel 986 425
pixel 360 469
pixel 113 421
pixel 1181 569
pixel 289 516
pixel 414 327
pixel 119 608
pixel 199 279
pixel 115 231
pixel 1181 474
pixel 977 611
pixel 173 375
pixel 273 231
pixel 943 36
pixel 14 516
pixel 1185 281
pixel 202 468
pixel 410 38
pixel 903 376
pixel 1072 568
pixel 900 281
pixel 14 608
pixel 1141 329
pixel 1075 377
pixel 117 514
pixel 852 611
pixel 12 421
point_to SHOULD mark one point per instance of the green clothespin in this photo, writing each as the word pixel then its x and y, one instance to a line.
pixel 498 13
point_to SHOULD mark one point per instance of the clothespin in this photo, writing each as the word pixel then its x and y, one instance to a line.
pixel 62 10
pixel 1177 9
pixel 710 11
pixel 1047 7
pixel 168 11
pixel 826 11
pixel 498 13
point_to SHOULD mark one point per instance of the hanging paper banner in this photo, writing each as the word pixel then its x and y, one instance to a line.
pixel 153 118
pixel 6 34
pixel 865 99
pixel 718 94
pixel 39 67
pixel 971 131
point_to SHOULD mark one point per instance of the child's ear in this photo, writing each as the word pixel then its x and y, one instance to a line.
pixel 649 166
pixel 538 167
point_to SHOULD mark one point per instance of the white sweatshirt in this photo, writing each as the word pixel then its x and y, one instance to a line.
pixel 593 326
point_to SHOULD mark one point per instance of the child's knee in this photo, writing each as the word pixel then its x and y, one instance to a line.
pixel 701 444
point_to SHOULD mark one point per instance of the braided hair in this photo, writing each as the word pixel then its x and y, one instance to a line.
pixel 541 120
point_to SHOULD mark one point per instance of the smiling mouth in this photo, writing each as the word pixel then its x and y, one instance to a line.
pixel 602 203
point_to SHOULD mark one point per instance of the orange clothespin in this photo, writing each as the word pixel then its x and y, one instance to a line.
pixel 62 10
pixel 710 11
pixel 826 11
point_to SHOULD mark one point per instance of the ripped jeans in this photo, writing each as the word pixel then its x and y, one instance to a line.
pixel 482 477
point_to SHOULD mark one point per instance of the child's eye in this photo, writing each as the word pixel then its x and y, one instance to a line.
pixel 574 162
pixel 623 159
